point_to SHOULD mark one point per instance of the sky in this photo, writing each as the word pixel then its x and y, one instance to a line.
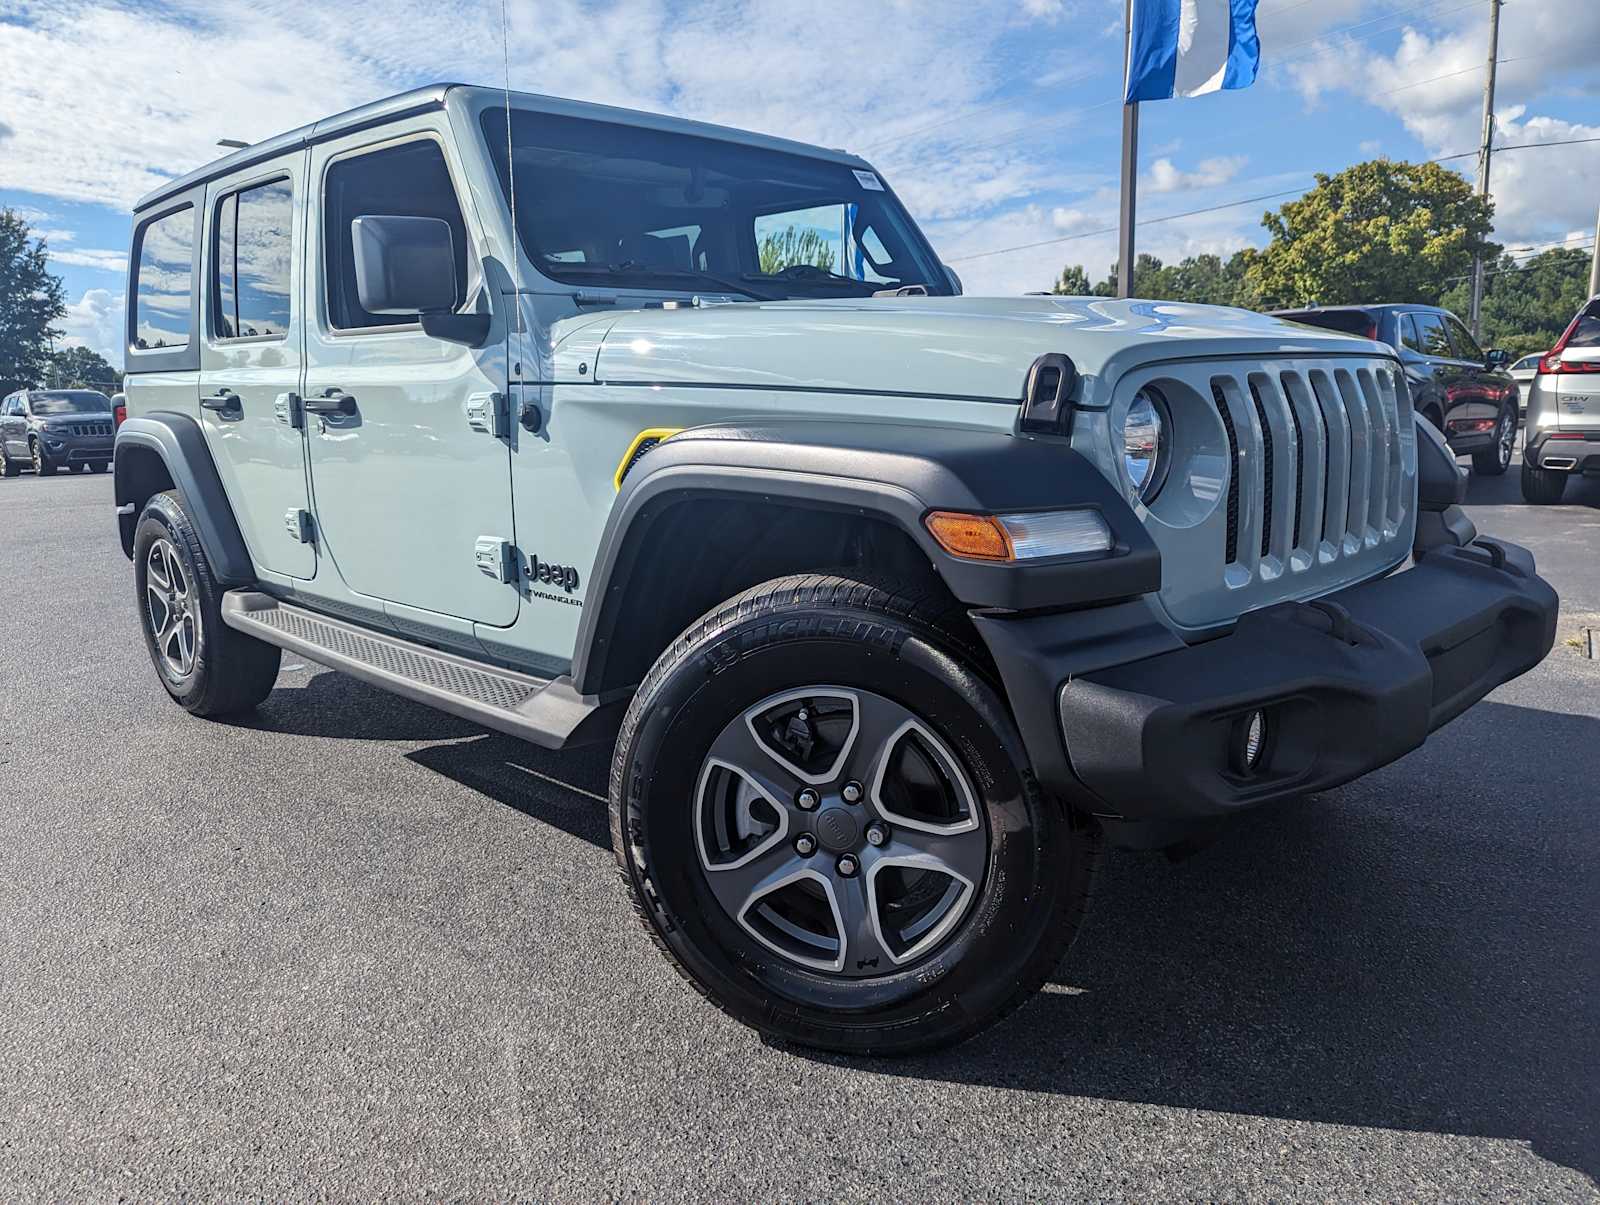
pixel 997 121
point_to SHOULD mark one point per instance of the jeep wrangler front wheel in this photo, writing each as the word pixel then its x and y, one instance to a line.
pixel 206 666
pixel 828 822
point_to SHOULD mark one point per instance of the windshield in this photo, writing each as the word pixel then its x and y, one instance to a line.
pixel 600 203
pixel 69 401
pixel 1527 362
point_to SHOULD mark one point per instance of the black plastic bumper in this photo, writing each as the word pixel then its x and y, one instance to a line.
pixel 1347 683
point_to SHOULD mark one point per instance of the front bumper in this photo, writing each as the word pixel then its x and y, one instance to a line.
pixel 78 449
pixel 1347 683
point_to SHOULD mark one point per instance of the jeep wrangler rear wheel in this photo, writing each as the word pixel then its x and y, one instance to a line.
pixel 827 820
pixel 207 667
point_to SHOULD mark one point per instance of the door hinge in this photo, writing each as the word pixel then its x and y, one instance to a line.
pixel 496 558
pixel 288 410
pixel 298 524
pixel 489 413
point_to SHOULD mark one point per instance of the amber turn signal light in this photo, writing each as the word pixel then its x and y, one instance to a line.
pixel 979 537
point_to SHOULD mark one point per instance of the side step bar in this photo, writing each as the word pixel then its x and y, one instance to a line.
pixel 545 711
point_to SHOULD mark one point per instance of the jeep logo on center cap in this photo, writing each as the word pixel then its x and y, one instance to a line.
pixel 837 829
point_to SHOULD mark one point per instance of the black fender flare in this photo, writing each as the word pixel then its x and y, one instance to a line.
pixel 892 472
pixel 180 445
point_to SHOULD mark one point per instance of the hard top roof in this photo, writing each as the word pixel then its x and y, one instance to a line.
pixel 405 104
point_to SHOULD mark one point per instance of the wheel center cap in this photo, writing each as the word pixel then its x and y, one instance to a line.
pixel 837 830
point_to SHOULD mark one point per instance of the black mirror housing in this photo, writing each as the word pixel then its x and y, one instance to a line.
pixel 404 265
pixel 1498 358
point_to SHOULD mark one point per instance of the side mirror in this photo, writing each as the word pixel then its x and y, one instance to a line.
pixel 407 265
pixel 1498 358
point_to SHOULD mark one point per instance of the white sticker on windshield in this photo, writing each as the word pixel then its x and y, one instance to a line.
pixel 868 180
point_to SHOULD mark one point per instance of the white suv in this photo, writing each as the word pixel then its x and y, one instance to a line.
pixel 1563 427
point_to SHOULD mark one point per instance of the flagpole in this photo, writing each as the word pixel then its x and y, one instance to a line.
pixel 1130 175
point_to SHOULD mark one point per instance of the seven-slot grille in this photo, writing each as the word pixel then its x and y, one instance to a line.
pixel 1316 467
pixel 83 428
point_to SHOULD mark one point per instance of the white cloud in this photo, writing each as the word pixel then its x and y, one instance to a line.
pixel 1164 176
pixel 95 321
pixel 91 257
pixel 1433 82
pixel 1042 10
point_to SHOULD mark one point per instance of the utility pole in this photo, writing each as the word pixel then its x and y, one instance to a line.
pixel 1486 153
pixel 1130 176
pixel 1594 272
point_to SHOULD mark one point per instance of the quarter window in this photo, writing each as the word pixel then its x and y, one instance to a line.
pixel 1408 333
pixel 251 274
pixel 409 180
pixel 163 286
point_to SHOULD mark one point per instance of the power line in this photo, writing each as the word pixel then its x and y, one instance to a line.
pixel 1173 217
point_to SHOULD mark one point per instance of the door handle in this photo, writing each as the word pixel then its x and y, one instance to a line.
pixel 334 401
pixel 223 399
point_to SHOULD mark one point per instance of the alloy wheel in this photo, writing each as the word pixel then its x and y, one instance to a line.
pixel 839 830
pixel 1508 437
pixel 173 609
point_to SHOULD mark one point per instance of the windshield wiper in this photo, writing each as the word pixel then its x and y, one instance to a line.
pixel 628 266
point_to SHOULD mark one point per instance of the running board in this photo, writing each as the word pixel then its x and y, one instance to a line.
pixel 548 712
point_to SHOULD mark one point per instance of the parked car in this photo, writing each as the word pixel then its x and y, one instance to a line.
pixel 50 429
pixel 1462 390
pixel 893 604
pixel 1562 438
pixel 1523 372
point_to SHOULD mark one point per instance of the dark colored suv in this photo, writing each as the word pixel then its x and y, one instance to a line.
pixel 55 428
pixel 1463 390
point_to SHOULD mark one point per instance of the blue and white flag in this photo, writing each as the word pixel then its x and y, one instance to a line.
pixel 1191 47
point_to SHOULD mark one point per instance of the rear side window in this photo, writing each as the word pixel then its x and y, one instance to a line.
pixel 1434 339
pixel 410 180
pixel 250 272
pixel 1587 332
pixel 162 289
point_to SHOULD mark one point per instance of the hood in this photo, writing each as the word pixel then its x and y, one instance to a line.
pixel 956 347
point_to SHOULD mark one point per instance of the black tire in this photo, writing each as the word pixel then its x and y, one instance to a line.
pixel 41 459
pixel 1493 461
pixel 8 467
pixel 100 466
pixel 1542 487
pixel 883 641
pixel 229 671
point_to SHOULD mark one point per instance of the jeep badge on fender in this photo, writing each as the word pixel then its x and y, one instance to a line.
pixel 887 591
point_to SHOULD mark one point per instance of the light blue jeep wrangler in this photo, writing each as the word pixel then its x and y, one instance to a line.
pixel 589 425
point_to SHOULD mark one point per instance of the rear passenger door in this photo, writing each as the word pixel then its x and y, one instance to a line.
pixel 251 358
pixel 408 491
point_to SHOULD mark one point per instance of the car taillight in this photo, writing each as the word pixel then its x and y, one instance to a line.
pixel 119 413
pixel 1552 363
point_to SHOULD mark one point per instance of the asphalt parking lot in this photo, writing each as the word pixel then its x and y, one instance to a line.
pixel 353 947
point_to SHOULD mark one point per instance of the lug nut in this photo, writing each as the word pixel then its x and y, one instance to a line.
pixel 876 834
pixel 805 845
pixel 852 792
pixel 807 800
pixel 848 865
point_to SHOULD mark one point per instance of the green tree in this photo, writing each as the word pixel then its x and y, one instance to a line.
pixel 1201 279
pixel 1380 231
pixel 791 246
pixel 1527 305
pixel 30 300
pixel 81 368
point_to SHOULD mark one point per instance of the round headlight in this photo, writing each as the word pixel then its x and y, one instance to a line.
pixel 1144 445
